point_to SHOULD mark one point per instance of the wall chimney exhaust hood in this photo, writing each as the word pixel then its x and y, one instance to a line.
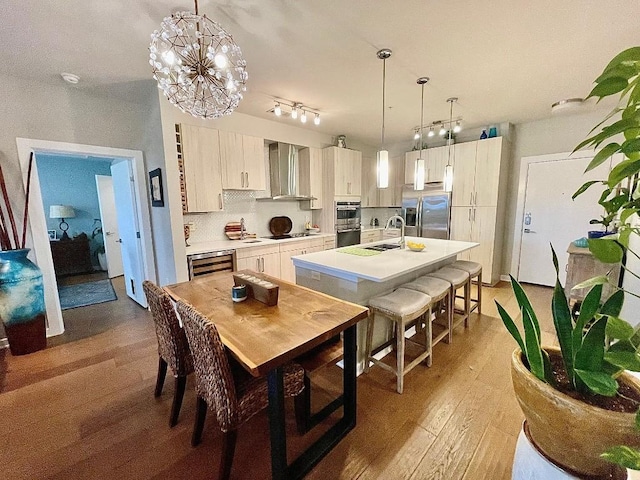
pixel 283 173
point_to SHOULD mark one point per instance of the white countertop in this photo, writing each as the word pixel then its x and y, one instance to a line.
pixel 216 245
pixel 383 267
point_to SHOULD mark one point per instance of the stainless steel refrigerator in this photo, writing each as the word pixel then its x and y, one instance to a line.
pixel 426 212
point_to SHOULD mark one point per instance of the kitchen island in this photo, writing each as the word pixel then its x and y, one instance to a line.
pixel 358 278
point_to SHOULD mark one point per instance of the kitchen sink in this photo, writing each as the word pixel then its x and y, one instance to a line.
pixel 383 247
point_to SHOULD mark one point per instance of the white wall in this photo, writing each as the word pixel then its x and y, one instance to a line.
pixel 553 135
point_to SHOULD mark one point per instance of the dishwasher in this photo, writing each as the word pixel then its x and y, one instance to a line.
pixel 211 262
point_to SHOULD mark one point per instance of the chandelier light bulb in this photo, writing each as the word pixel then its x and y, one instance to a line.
pixel 197 65
pixel 294 112
pixel 277 110
pixel 316 120
pixel 431 132
pixel 303 117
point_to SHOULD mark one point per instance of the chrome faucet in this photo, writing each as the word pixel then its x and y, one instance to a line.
pixel 243 231
pixel 397 217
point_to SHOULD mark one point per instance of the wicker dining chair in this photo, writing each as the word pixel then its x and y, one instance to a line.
pixel 173 348
pixel 232 393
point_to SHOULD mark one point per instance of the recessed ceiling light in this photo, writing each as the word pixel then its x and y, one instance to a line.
pixel 567 105
pixel 70 78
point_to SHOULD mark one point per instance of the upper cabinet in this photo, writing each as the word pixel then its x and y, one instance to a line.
pixel 311 175
pixel 200 170
pixel 369 189
pixel 347 165
pixel 476 172
pixel 243 162
pixel 435 162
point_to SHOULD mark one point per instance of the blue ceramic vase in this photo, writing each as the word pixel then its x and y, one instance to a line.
pixel 22 308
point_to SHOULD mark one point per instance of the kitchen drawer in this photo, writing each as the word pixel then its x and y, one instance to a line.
pixel 257 251
pixel 299 245
pixel 329 243
pixel 317 242
pixel 369 236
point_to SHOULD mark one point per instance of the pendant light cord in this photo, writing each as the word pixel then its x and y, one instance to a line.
pixel 421 119
pixel 384 82
pixel 450 121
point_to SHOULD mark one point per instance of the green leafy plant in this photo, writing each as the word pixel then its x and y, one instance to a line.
pixel 620 195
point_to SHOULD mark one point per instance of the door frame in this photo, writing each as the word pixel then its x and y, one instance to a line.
pixel 522 193
pixel 37 223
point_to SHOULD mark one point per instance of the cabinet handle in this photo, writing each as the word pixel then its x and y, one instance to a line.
pixel 220 200
pixel 246 175
pixel 469 214
pixel 258 264
pixel 262 264
pixel 474 215
pixel 471 198
pixel 242 179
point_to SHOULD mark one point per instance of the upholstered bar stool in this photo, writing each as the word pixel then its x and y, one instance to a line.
pixel 403 307
pixel 457 279
pixel 475 271
pixel 439 291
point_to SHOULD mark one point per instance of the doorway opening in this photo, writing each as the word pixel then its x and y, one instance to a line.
pixel 131 211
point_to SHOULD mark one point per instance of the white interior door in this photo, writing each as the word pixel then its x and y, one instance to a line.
pixel 130 244
pixel 552 217
pixel 109 219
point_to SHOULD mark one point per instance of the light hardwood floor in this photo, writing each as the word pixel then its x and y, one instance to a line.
pixel 84 408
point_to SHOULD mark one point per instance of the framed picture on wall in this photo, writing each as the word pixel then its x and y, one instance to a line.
pixel 53 235
pixel 155 183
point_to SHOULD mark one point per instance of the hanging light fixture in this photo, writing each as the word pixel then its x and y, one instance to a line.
pixel 294 111
pixel 197 65
pixel 418 174
pixel 448 170
pixel 303 117
pixel 316 119
pixel 383 154
pixel 277 110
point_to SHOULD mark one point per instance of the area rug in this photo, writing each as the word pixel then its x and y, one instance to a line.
pixel 83 294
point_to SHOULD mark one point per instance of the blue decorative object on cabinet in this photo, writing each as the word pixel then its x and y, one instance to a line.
pixel 22 308
pixel 493 132
pixel 483 135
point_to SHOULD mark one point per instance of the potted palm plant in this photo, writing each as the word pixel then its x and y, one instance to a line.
pixel 579 402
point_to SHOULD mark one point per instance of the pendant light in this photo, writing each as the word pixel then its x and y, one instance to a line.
pixel 448 170
pixel 418 174
pixel 383 155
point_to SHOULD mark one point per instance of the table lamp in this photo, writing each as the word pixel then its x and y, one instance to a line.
pixel 62 212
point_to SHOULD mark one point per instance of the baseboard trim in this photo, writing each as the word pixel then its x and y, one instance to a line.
pixel 505 278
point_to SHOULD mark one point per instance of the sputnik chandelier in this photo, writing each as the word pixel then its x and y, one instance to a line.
pixel 197 65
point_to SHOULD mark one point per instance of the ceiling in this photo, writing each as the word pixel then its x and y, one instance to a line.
pixel 506 60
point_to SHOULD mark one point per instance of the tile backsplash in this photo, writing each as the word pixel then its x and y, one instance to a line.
pixel 243 204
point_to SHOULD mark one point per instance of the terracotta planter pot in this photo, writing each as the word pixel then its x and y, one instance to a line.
pixel 569 432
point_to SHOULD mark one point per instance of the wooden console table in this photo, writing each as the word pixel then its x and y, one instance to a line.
pixel 582 266
pixel 72 256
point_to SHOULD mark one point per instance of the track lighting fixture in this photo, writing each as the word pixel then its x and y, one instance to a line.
pixel 295 111
pixel 431 132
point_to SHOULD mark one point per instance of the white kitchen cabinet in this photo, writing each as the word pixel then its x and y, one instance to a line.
pixel 347 167
pixel 200 176
pixel 259 259
pixel 243 162
pixel 436 162
pixel 329 243
pixel 291 249
pixel 369 187
pixel 370 236
pixel 311 175
pixel 410 165
pixel 479 201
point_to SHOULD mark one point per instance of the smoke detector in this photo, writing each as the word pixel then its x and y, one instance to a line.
pixel 70 78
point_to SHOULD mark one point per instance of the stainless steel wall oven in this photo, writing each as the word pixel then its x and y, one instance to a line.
pixel 347 221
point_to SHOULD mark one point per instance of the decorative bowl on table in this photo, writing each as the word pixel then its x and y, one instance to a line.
pixel 415 247
pixel 312 230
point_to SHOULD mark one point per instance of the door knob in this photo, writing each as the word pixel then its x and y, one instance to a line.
pixel 108 233
pixel 119 240
pixel 528 230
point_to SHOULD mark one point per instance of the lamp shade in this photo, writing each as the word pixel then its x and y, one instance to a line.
pixel 383 169
pixel 61 211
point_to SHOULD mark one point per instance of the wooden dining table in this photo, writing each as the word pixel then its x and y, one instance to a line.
pixel 264 338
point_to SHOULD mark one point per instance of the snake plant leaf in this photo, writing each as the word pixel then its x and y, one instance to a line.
pixel 622 455
pixel 624 360
pixel 532 343
pixel 608 86
pixel 598 382
pixel 603 155
pixel 590 355
pixel 524 303
pixel 511 327
pixel 613 305
pixel 618 329
pixel 606 250
pixel 629 55
pixel 599 280
pixel 623 170
pixel 562 320
pixel 588 310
